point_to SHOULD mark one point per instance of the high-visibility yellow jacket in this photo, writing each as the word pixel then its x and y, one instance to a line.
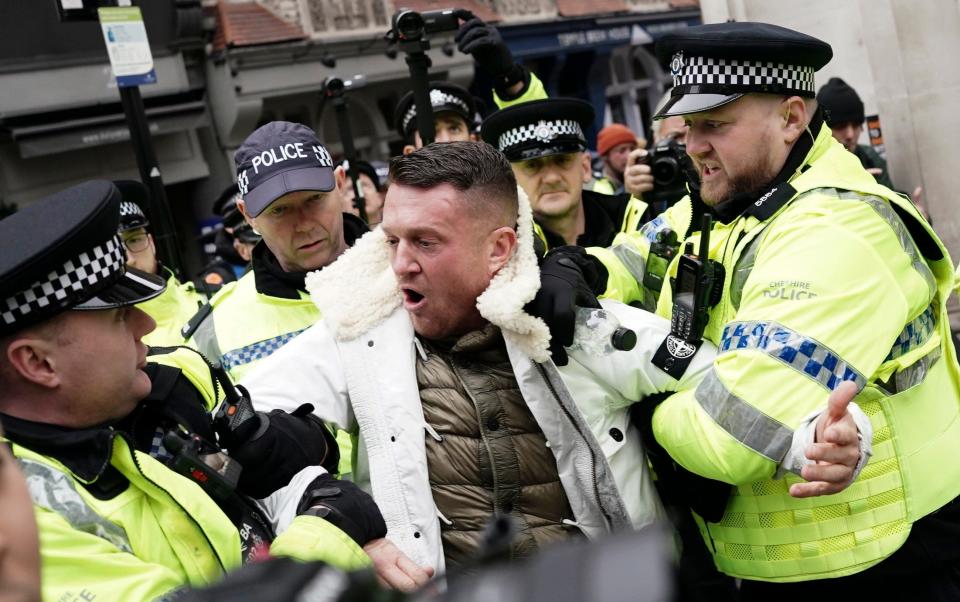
pixel 844 282
pixel 171 310
pixel 246 322
pixel 116 524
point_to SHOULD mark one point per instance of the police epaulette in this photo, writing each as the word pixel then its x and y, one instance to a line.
pixel 193 323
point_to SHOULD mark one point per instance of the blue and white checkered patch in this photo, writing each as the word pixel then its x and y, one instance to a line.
pixel 157 449
pixel 914 334
pixel 257 351
pixel 802 353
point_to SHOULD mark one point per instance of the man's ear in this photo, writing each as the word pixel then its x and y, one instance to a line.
pixel 242 206
pixel 502 243
pixel 408 148
pixel 32 358
pixel 585 165
pixel 340 176
pixel 793 118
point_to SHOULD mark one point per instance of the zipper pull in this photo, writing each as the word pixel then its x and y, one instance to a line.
pixel 433 433
pixel 420 350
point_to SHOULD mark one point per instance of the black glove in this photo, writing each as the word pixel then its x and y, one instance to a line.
pixel 283 445
pixel 569 278
pixel 345 506
pixel 483 41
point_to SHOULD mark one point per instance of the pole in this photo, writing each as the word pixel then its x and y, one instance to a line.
pixel 349 150
pixel 163 231
pixel 419 64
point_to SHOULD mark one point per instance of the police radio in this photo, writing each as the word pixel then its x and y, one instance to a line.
pixel 662 251
pixel 232 417
pixel 697 287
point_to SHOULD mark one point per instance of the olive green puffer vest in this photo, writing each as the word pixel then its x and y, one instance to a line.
pixel 485 451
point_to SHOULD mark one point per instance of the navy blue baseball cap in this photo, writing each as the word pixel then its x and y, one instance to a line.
pixel 278 158
pixel 718 63
pixel 62 253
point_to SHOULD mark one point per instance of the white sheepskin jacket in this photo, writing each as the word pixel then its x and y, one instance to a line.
pixel 357 368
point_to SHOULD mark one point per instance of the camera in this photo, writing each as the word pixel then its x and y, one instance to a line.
pixel 672 170
pixel 410 26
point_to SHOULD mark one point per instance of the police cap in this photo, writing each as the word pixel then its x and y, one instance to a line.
pixel 444 98
pixel 226 207
pixel 134 196
pixel 63 252
pixel 539 128
pixel 278 158
pixel 718 63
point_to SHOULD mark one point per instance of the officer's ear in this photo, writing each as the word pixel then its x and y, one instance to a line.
pixel 340 176
pixel 586 167
pixel 31 355
pixel 242 206
pixel 793 118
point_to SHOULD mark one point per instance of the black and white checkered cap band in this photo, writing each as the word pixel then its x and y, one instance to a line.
pixel 128 209
pixel 700 70
pixel 542 131
pixel 438 98
pixel 81 272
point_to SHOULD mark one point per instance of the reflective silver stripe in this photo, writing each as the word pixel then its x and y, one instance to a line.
pixel 915 373
pixel 204 340
pixel 748 425
pixel 742 269
pixel 886 212
pixel 807 356
pixel 54 490
pixel 632 260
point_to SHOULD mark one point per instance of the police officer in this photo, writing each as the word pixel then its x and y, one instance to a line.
pixel 121 510
pixel 545 143
pixel 454 110
pixel 830 277
pixel 179 301
pixel 290 194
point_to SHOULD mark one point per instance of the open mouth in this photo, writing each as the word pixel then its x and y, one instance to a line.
pixel 707 172
pixel 411 298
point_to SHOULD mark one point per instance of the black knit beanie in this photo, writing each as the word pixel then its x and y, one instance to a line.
pixel 840 103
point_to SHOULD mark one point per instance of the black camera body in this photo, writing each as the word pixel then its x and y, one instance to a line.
pixel 411 26
pixel 672 170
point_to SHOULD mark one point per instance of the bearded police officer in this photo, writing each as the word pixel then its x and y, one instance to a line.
pixel 179 301
pixel 829 277
pixel 128 506
pixel 545 143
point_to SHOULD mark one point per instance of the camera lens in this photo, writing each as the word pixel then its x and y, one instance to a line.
pixel 409 25
pixel 665 171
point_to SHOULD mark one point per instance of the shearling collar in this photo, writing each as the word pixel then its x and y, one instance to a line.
pixel 359 290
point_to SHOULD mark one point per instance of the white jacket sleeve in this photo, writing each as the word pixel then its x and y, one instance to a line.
pixel 305 370
pixel 632 373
